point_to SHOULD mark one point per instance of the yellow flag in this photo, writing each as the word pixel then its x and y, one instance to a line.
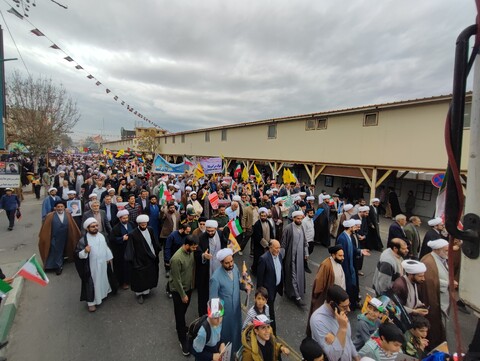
pixel 120 153
pixel 285 175
pixel 244 174
pixel 258 175
pixel 104 151
pixel 198 173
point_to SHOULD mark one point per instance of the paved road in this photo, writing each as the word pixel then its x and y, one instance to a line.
pixel 53 325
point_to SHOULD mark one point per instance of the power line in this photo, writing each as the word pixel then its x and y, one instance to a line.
pixel 14 42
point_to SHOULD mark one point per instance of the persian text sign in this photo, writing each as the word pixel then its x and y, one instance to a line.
pixel 160 165
pixel 211 165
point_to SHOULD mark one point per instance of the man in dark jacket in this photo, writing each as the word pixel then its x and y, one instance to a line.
pixel 270 275
pixel 10 203
pixel 118 244
pixel 261 236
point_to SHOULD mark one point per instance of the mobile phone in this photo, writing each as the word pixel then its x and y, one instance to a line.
pixel 335 307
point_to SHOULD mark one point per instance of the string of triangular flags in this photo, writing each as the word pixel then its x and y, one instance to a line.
pixel 79 67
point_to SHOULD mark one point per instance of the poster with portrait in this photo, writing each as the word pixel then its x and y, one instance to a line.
pixel 9 175
pixel 75 207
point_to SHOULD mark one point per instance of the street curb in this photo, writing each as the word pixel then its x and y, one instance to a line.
pixel 9 307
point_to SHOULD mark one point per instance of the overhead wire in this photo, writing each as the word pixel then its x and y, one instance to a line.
pixel 15 43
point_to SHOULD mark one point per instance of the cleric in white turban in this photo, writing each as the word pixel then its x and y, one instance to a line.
pixel 347 207
pixel 143 218
pixel 413 267
pixel 88 222
pixel 437 244
pixel 348 224
pixel 122 213
pixel 211 223
pixel 262 210
pixel 297 214
pixel 224 253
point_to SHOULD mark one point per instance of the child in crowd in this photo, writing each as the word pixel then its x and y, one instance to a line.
pixel 416 337
pixel 368 323
pixel 260 307
pixel 385 347
pixel 311 350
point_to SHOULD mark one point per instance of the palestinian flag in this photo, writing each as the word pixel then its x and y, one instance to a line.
pixel 235 227
pixel 32 271
pixel 4 288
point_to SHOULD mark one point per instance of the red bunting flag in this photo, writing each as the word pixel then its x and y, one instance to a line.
pixel 37 32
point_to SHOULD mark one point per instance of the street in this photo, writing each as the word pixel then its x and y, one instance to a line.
pixel 52 324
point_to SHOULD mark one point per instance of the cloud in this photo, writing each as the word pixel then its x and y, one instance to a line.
pixel 193 64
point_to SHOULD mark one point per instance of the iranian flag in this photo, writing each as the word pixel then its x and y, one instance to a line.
pixel 237 172
pixel 4 288
pixel 32 271
pixel 235 227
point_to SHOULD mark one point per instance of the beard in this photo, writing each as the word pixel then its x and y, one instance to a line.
pixel 143 227
pixel 93 231
pixel 339 261
pixel 229 268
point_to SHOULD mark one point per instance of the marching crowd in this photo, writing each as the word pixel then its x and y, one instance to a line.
pixel 115 219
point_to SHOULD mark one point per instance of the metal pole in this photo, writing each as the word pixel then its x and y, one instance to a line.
pixel 2 95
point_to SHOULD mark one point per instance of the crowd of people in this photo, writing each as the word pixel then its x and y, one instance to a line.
pixel 114 218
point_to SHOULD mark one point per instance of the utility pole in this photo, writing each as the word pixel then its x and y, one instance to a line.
pixel 3 106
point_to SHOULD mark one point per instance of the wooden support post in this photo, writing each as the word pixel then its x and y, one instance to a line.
pixel 403 174
pixel 385 176
pixel 250 165
pixel 310 172
pixel 373 186
pixel 367 178
pixel 318 172
pixel 226 164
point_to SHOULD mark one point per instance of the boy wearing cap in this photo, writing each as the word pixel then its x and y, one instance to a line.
pixel 367 324
pixel 211 349
pixel 259 343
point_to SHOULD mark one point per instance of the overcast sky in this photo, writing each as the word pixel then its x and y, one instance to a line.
pixel 195 64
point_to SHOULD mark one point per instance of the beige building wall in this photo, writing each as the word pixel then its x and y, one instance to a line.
pixel 408 136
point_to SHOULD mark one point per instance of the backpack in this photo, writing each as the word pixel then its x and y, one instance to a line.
pixel 193 329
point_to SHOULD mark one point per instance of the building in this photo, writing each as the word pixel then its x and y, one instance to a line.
pixel 398 145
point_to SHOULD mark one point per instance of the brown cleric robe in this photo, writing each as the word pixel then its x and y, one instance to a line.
pixel 44 237
pixel 325 278
pixel 429 293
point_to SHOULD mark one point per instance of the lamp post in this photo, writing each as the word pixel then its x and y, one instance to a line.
pixel 3 107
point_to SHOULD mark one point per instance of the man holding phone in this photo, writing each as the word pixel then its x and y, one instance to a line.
pixel 331 328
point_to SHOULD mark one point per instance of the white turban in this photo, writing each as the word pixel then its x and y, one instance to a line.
pixel 357 222
pixel 413 267
pixel 364 209
pixel 435 222
pixel 237 198
pixel 52 189
pixel 297 198
pixel 262 210
pixel 111 189
pixel 171 185
pixel 211 224
pixel 71 192
pixel 188 189
pixel 310 198
pixel 122 213
pixel 347 207
pixel 143 218
pixel 437 244
pixel 224 253
pixel 302 193
pixel 191 193
pixel 349 223
pixel 177 186
pixel 375 200
pixel 297 214
pixel 92 195
pixel 274 190
pixel 323 197
pixel 88 222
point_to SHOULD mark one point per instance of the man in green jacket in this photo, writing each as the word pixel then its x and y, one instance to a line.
pixel 182 266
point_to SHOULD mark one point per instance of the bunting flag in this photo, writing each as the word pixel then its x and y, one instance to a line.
pixel 233 244
pixel 78 66
pixel 258 175
pixel 120 153
pixel 31 270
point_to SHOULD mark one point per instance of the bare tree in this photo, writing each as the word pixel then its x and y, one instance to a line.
pixel 40 113
pixel 148 142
